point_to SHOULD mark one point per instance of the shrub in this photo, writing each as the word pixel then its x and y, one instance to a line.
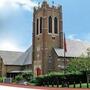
pixel 1 79
pixel 33 81
pixel 24 76
pixel 27 76
pixel 18 78
pixel 58 78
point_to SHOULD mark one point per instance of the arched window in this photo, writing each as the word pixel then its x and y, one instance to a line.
pixel 40 24
pixel 37 27
pixel 50 24
pixel 55 25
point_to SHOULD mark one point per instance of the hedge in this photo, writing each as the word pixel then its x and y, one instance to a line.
pixel 59 79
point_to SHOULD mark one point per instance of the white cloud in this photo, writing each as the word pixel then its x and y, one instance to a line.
pixel 25 4
pixel 9 46
pixel 73 37
pixel 87 36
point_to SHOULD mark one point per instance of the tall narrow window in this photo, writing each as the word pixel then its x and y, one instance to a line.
pixel 40 24
pixel 37 27
pixel 55 25
pixel 50 24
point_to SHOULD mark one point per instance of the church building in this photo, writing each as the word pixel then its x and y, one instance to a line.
pixel 48 43
pixel 50 52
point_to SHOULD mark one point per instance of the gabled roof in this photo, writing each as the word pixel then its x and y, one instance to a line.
pixel 9 57
pixel 17 58
pixel 25 58
pixel 74 49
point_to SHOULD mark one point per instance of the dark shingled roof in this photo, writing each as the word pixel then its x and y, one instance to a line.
pixel 9 57
pixel 17 58
pixel 25 58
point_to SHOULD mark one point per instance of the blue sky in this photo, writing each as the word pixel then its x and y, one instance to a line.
pixel 16 22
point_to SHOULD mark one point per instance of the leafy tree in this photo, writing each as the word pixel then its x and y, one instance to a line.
pixel 77 65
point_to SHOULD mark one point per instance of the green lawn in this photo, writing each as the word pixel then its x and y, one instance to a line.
pixel 84 85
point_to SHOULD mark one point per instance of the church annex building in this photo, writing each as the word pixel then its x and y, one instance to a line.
pixel 47 51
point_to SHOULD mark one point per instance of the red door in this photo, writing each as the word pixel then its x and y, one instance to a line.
pixel 38 70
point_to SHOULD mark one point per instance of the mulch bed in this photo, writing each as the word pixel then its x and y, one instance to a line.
pixel 41 88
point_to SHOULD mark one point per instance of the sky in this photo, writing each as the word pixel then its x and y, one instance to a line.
pixel 16 22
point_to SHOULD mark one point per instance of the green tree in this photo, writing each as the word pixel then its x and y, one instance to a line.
pixel 77 65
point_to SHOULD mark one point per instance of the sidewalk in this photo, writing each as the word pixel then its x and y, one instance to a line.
pixel 29 87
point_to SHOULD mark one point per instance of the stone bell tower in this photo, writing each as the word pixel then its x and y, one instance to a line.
pixel 47 34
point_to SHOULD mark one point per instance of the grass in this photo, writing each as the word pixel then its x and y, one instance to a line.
pixel 84 85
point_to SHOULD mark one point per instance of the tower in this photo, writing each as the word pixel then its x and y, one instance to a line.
pixel 47 34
